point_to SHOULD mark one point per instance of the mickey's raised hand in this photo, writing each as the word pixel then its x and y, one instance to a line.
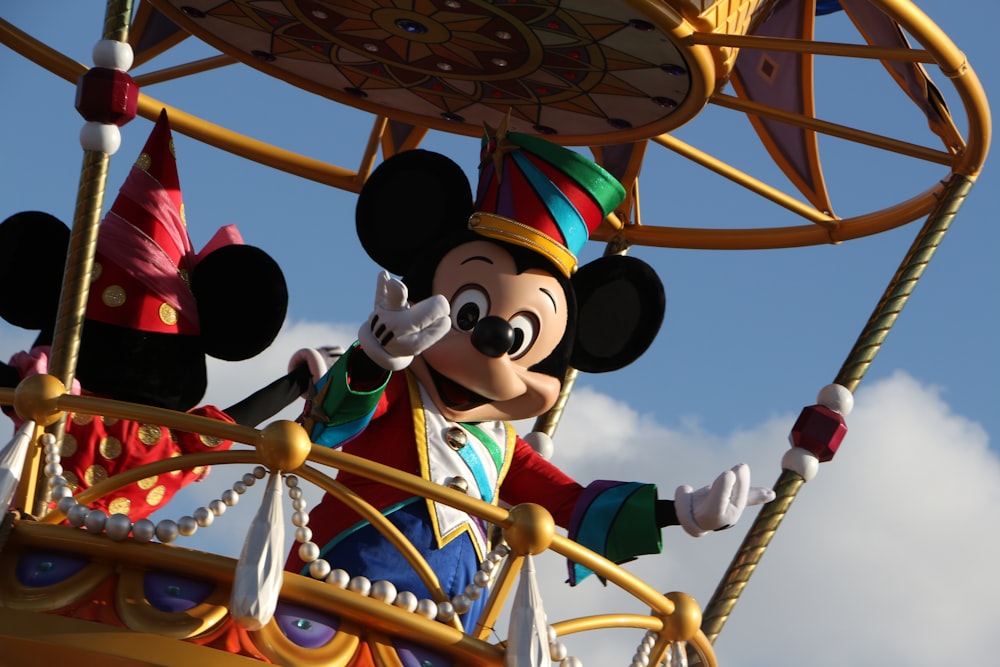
pixel 720 505
pixel 397 331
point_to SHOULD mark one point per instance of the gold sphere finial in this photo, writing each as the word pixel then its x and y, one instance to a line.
pixel 685 622
pixel 284 446
pixel 36 398
pixel 530 529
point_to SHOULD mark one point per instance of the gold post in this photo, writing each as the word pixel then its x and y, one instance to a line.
pixel 79 258
pixel 860 358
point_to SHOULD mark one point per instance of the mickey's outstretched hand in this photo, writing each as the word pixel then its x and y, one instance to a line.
pixel 396 331
pixel 720 505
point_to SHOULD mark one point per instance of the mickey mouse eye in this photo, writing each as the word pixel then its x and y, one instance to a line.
pixel 525 328
pixel 468 306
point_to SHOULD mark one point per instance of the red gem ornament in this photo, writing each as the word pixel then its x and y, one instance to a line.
pixel 819 430
pixel 105 95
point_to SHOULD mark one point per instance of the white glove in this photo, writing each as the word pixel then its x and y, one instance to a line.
pixel 396 331
pixel 720 505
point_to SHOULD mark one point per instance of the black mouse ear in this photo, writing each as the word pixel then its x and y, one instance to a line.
pixel 410 200
pixel 33 249
pixel 242 299
pixel 620 309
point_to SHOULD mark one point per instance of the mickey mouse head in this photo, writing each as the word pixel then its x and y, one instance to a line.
pixel 519 311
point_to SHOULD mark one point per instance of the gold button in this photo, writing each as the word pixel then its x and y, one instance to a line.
pixel 456 438
pixel 113 296
pixel 459 484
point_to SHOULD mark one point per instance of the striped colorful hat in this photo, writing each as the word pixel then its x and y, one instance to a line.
pixel 144 256
pixel 541 196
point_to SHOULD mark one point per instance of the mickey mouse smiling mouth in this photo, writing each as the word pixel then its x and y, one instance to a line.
pixel 454 395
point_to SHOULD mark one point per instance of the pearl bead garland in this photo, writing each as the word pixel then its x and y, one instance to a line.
pixel 119 527
pixel 385 591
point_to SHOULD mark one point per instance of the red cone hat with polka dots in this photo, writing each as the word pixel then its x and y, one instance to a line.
pixel 144 255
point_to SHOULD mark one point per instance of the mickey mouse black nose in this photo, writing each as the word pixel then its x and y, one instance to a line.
pixel 493 336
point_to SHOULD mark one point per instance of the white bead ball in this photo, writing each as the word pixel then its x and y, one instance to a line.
pixel 462 603
pixel 113 54
pixel 66 504
pixel 541 443
pixel 319 569
pixel 204 516
pixel 427 608
pixel 359 585
pixel 167 531
pixel 300 519
pixel 557 651
pixel 303 534
pixel 230 497
pixel 218 507
pixel 836 397
pixel 143 530
pixel 801 461
pixel 77 515
pixel 446 612
pixel 473 592
pixel 95 521
pixel 338 578
pixel 239 487
pixel 100 137
pixel 61 491
pixel 52 469
pixel 118 526
pixel 571 661
pixel 383 591
pixel 406 600
pixel 187 526
pixel 308 551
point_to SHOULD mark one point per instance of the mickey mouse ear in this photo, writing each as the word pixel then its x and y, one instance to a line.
pixel 621 304
pixel 411 200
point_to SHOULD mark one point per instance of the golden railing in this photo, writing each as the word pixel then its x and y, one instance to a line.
pixel 284 448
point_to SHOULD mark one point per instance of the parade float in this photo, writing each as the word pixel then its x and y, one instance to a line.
pixel 87 582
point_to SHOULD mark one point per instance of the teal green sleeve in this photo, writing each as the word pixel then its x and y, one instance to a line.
pixel 616 520
pixel 340 412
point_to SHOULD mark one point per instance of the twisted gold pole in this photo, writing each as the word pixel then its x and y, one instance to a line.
pixel 79 261
pixel 860 358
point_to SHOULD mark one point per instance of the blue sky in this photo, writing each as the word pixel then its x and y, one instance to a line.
pixel 899 520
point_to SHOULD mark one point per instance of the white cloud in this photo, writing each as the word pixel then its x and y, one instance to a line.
pixel 887 557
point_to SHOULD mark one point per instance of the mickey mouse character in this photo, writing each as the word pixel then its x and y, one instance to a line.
pixel 156 308
pixel 490 313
